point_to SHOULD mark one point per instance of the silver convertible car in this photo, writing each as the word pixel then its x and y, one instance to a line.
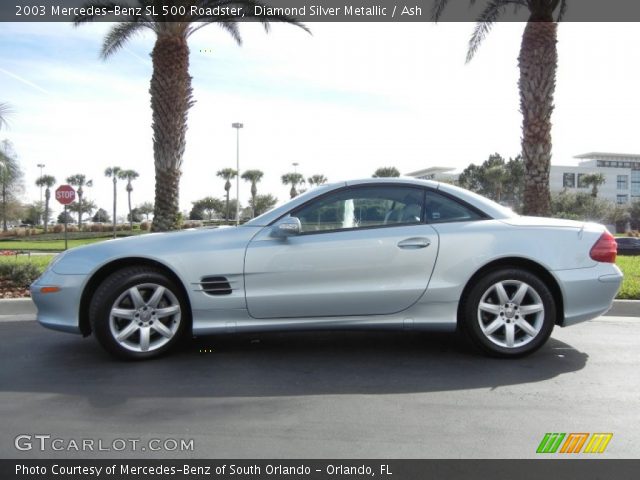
pixel 366 254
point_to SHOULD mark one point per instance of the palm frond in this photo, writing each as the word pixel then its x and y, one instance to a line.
pixel 438 9
pixel 116 38
pixel 485 22
pixel 562 11
pixel 5 111
pixel 233 30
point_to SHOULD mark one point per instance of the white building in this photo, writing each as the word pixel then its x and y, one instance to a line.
pixel 440 174
pixel 621 172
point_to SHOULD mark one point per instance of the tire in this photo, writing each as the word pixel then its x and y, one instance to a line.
pixel 509 313
pixel 138 312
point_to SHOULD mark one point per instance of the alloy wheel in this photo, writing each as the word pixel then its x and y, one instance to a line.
pixel 511 313
pixel 145 317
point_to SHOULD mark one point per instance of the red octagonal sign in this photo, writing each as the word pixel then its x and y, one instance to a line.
pixel 65 194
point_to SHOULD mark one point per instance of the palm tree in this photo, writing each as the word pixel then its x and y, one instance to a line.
pixel 293 179
pixel 595 180
pixel 383 172
pixel 47 181
pixel 114 173
pixel 538 62
pixel 171 92
pixel 5 111
pixel 227 174
pixel 129 176
pixel 315 180
pixel 253 176
pixel 79 180
pixel 10 177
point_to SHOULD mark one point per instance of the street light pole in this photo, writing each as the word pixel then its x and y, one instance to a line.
pixel 237 126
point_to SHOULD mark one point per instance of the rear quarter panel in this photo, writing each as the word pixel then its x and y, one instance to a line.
pixel 468 246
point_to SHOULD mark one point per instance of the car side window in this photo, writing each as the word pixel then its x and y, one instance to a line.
pixel 441 209
pixel 363 207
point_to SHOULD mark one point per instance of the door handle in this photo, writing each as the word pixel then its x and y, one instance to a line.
pixel 414 243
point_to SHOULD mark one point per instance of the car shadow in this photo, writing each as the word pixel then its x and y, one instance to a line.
pixel 269 365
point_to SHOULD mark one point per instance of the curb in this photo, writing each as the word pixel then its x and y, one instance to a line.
pixel 624 308
pixel 24 306
pixel 17 306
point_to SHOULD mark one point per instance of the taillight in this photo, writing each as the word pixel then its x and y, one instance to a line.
pixel 605 249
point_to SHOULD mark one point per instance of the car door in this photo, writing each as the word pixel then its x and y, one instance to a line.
pixel 361 250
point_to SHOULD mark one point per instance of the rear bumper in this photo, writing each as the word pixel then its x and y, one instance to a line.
pixel 59 310
pixel 588 292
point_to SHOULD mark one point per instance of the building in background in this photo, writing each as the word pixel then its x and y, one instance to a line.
pixel 621 172
pixel 439 174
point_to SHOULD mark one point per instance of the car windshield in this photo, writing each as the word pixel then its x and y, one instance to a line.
pixel 299 199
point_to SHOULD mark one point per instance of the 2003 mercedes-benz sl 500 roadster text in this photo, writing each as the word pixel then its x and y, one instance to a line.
pixel 376 253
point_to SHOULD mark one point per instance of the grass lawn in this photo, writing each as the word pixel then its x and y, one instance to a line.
pixel 39 261
pixel 630 266
pixel 46 245
pixel 54 242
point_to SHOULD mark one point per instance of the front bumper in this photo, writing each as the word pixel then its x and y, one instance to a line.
pixel 59 310
pixel 588 292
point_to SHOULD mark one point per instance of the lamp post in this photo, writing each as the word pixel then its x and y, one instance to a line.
pixel 295 167
pixel 237 126
pixel 40 166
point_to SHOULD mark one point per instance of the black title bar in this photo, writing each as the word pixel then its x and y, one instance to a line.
pixel 556 469
pixel 306 11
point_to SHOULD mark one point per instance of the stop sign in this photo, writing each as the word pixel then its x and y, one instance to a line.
pixel 65 194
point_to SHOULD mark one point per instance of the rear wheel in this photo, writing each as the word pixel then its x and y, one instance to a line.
pixel 138 312
pixel 509 313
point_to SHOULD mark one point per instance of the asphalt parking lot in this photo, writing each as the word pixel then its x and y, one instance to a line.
pixel 323 395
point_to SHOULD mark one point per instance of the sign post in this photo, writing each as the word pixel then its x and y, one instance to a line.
pixel 65 194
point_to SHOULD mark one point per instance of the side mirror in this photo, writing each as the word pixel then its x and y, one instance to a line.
pixel 287 227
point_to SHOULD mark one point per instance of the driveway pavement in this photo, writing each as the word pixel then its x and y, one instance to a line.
pixel 323 395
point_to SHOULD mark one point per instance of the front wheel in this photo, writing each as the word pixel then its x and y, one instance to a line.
pixel 509 313
pixel 138 312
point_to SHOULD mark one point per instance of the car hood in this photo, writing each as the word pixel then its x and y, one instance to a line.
pixel 154 246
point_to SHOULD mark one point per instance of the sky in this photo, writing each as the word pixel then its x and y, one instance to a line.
pixel 341 102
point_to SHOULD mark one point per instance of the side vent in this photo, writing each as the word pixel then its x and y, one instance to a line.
pixel 215 285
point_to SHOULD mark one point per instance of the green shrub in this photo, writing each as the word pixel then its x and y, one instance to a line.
pixel 19 275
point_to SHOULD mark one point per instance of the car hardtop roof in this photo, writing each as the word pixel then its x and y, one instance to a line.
pixel 400 180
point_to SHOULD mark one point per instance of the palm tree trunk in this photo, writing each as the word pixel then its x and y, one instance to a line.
pixel 166 210
pixel 227 208
pixel 538 62
pixel 115 193
pixel 4 207
pixel 47 196
pixel 254 192
pixel 130 214
pixel 79 210
pixel 171 98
